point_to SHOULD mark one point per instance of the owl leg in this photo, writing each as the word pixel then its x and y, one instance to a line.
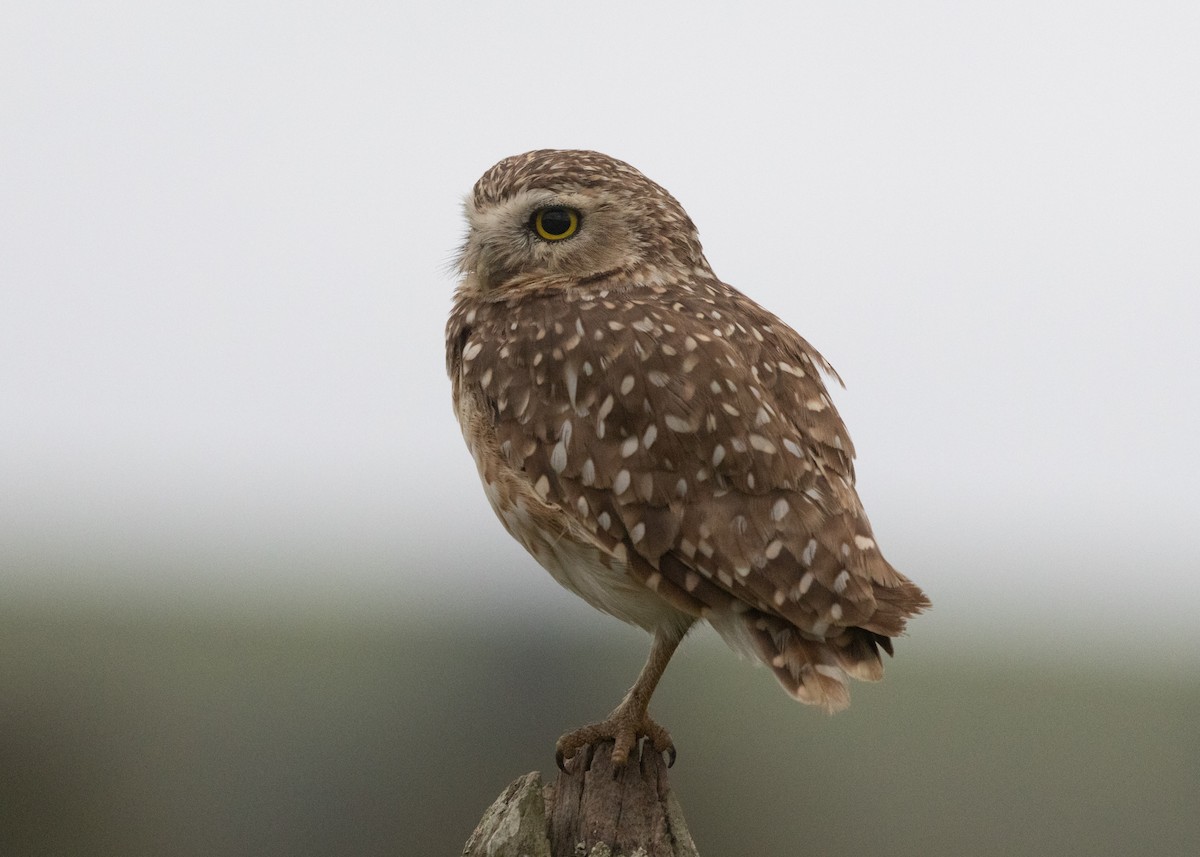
pixel 629 720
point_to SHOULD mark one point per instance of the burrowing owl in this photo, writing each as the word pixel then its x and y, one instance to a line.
pixel 662 444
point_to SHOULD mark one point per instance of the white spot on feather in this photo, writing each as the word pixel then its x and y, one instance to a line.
pixel 572 377
pixel 830 670
pixel 605 409
pixel 840 582
pixel 762 444
pixel 679 424
pixel 558 458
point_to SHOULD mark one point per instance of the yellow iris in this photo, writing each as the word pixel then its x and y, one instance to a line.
pixel 556 222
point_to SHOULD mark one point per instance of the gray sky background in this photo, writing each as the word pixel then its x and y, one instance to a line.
pixel 225 231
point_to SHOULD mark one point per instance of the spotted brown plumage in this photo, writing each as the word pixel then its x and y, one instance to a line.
pixel 662 444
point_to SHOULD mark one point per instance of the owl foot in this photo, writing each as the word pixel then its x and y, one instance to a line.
pixel 624 727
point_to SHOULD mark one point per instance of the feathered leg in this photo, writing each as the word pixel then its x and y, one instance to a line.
pixel 629 720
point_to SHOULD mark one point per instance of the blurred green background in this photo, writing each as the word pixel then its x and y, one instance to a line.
pixel 235 729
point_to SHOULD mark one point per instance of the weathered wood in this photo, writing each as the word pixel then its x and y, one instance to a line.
pixel 591 810
pixel 515 825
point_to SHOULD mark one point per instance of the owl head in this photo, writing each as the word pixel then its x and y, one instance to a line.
pixel 575 217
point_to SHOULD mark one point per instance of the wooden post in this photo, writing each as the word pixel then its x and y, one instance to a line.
pixel 590 811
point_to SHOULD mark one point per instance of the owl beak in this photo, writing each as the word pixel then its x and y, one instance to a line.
pixel 489 272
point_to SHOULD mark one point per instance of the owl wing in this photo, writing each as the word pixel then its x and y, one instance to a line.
pixel 692 433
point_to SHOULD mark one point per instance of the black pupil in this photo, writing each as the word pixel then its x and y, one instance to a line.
pixel 556 221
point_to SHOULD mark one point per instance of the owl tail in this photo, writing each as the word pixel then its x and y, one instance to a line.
pixel 815 672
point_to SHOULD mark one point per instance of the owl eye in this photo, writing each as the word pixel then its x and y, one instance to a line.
pixel 555 222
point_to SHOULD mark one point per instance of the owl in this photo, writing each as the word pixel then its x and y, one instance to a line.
pixel 661 444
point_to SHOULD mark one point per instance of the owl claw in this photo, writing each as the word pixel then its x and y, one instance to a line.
pixel 624 730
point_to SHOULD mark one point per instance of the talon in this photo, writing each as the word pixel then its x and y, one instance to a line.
pixel 624 729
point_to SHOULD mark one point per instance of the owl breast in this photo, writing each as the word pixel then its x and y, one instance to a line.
pixel 597 574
